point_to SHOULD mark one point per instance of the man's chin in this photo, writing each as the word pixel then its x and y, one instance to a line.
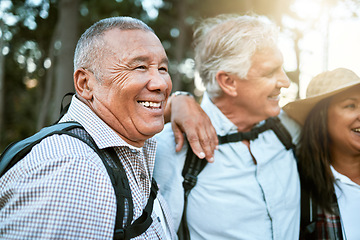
pixel 153 130
pixel 274 112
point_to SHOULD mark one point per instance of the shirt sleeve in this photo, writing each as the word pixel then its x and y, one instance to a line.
pixel 167 172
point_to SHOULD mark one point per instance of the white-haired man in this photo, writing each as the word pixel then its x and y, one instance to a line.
pixel 252 189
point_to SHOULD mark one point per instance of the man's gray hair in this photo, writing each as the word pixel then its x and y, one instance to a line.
pixel 228 42
pixel 91 50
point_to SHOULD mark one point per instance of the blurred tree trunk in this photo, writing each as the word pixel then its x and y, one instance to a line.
pixel 181 7
pixel 2 74
pixel 49 82
pixel 68 36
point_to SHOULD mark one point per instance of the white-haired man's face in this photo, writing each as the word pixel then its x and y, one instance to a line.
pixel 259 93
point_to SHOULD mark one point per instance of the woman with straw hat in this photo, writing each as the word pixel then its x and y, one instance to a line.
pixel 329 155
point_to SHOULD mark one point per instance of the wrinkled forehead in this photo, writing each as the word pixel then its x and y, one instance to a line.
pixel 267 57
pixel 134 44
pixel 115 37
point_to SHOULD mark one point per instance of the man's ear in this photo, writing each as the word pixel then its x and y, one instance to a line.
pixel 227 83
pixel 82 83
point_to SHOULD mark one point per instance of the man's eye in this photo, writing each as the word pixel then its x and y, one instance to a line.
pixel 163 69
pixel 271 74
pixel 140 67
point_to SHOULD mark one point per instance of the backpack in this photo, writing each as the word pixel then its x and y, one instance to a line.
pixel 18 150
pixel 194 165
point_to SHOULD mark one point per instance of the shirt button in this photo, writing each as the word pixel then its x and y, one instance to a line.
pixel 142 175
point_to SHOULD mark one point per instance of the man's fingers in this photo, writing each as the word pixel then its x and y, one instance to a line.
pixel 200 147
pixel 188 117
pixel 208 144
pixel 179 137
pixel 208 150
pixel 197 149
pixel 214 141
pixel 208 139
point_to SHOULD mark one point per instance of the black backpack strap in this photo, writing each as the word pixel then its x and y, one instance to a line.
pixel 193 166
pixel 123 194
pixel 272 123
pixel 64 108
pixel 250 135
pixel 308 216
pixel 141 224
pixel 17 150
pixel 281 132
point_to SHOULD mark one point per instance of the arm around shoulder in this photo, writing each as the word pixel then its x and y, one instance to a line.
pixel 188 117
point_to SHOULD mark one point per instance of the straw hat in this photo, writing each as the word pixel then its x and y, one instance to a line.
pixel 324 85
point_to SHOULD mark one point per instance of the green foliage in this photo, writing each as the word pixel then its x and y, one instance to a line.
pixel 29 40
pixel 34 29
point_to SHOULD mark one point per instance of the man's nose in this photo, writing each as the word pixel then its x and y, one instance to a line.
pixel 160 81
pixel 283 80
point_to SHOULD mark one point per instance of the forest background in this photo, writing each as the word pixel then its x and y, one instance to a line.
pixel 38 38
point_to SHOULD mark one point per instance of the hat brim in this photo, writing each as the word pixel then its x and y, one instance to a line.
pixel 300 109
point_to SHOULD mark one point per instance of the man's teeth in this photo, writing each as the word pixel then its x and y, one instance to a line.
pixel 356 129
pixel 150 104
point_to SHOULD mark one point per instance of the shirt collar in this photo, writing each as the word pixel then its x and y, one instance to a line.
pixel 220 122
pixel 103 135
pixel 342 178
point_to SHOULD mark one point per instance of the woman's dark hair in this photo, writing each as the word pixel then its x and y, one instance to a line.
pixel 314 157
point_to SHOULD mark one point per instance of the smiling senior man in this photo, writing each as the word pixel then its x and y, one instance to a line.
pixel 61 189
pixel 252 188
